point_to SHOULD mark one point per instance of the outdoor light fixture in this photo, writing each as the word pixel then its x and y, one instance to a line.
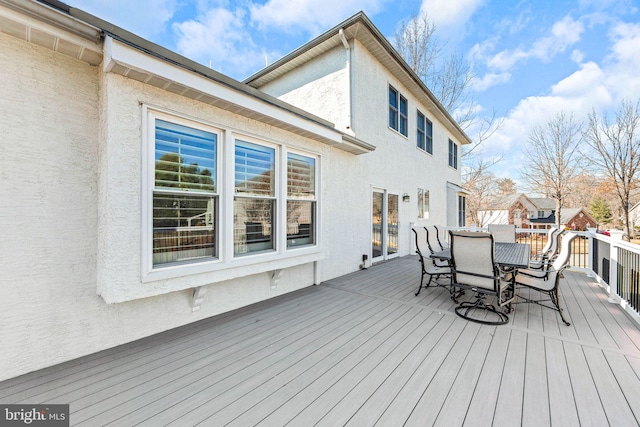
pixel 406 197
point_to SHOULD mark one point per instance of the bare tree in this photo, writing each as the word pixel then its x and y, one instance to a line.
pixel 553 159
pixel 449 78
pixel 483 187
pixel 584 187
pixel 617 148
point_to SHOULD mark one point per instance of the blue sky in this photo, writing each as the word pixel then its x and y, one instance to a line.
pixel 531 58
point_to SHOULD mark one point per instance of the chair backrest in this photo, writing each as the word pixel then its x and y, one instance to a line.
pixel 431 239
pixel 563 257
pixel 555 245
pixel 550 236
pixel 442 247
pixel 473 259
pixel 504 233
pixel 421 241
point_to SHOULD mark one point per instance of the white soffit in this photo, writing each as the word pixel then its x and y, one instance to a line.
pixel 46 27
pixel 128 61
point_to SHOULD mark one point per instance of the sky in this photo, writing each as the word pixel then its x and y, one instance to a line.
pixel 531 59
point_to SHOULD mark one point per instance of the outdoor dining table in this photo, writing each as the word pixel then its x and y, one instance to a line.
pixel 509 255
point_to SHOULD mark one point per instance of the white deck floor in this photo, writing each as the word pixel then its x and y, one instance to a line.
pixel 363 350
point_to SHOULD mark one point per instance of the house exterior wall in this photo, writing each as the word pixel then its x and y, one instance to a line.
pixel 319 87
pixel 71 232
pixel 397 162
pixel 397 165
pixel 581 222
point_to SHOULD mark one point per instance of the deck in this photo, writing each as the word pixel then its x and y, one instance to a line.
pixel 362 350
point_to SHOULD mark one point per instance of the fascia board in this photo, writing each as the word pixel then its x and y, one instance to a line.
pixel 116 52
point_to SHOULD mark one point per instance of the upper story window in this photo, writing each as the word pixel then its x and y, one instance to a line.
pixel 185 195
pixel 453 154
pixel 540 214
pixel 424 133
pixel 423 204
pixel 398 112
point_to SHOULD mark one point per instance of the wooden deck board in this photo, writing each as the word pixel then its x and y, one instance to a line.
pixel 362 349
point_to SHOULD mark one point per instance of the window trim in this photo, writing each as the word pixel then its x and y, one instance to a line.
pixel 396 110
pixel 426 213
pixel 453 154
pixel 316 201
pixel 226 263
pixel 423 119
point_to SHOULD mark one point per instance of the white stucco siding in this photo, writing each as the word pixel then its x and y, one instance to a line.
pixel 319 87
pixel 119 247
pixel 70 165
pixel 48 115
pixel 397 163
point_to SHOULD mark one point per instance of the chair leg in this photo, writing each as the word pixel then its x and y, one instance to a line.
pixel 463 310
pixel 555 298
pixel 427 285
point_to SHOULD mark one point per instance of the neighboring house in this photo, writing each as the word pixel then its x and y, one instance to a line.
pixel 634 215
pixel 144 191
pixel 531 212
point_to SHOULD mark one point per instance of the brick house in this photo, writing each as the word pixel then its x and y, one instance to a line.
pixel 531 212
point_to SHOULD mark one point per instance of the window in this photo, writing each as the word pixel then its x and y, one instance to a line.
pixel 453 154
pixel 203 215
pixel 540 214
pixel 423 204
pixel 425 133
pixel 398 112
pixel 404 126
pixel 393 108
pixel 462 211
pixel 254 202
pixel 185 198
pixel 301 205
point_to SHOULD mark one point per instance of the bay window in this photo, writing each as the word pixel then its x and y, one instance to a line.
pixel 213 196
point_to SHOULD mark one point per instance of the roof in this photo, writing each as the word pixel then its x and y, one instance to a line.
pixel 360 27
pixel 544 203
pixel 83 38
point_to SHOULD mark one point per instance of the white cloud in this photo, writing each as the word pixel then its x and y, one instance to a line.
pixel 489 80
pixel 622 65
pixel 449 14
pixel 146 18
pixel 218 38
pixel 310 15
pixel 563 34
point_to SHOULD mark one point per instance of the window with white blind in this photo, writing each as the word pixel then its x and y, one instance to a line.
pixel 185 198
pixel 208 207
pixel 301 200
pixel 255 198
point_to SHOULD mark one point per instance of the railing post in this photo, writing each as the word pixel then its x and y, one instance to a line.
pixel 591 232
pixel 616 237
